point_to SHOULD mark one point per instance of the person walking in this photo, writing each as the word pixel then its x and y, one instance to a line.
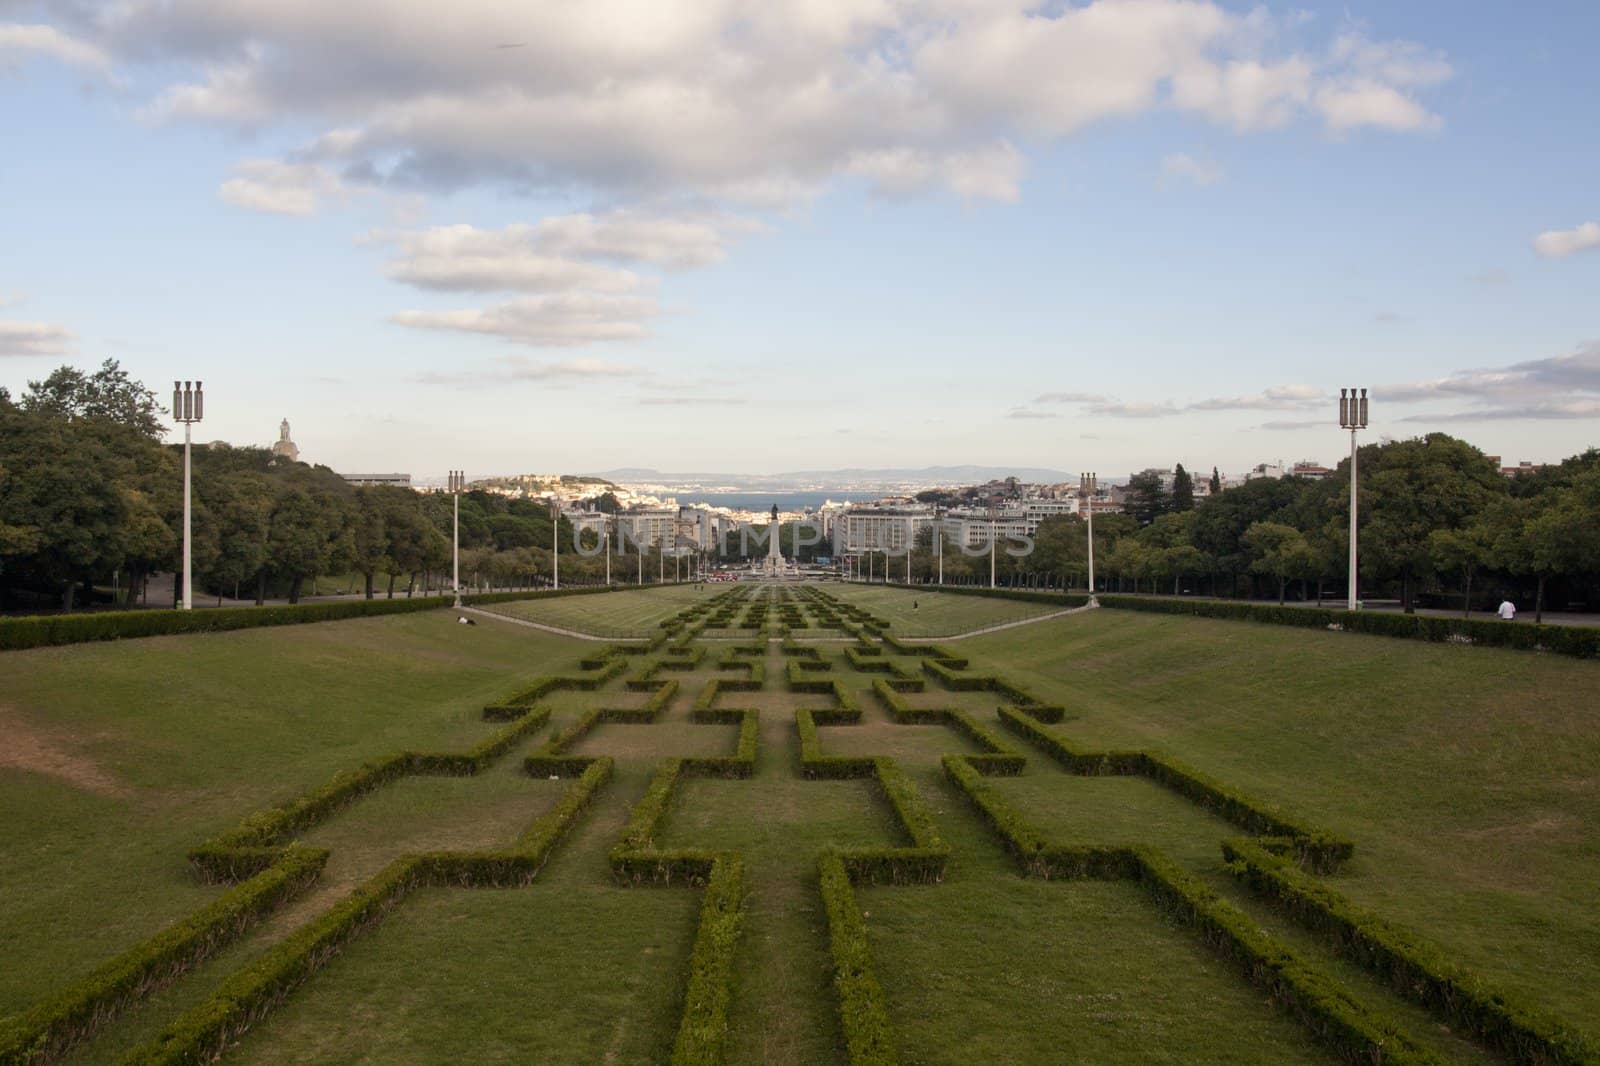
pixel 1507 611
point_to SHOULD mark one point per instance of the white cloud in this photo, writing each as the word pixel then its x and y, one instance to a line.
pixel 751 101
pixel 280 188
pixel 1030 413
pixel 1135 409
pixel 548 320
pixel 1558 387
pixel 675 242
pixel 34 338
pixel 1557 243
pixel 19 41
pixel 1070 397
pixel 993 173
pixel 1246 94
pixel 467 259
pixel 1279 397
pixel 1367 103
pixel 1181 165
pixel 520 368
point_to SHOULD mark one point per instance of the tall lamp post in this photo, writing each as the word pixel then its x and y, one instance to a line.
pixel 1088 485
pixel 1352 416
pixel 188 407
pixel 458 482
pixel 938 538
pixel 608 551
pixel 555 541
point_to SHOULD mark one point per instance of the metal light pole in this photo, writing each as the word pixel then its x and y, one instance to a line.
pixel 458 481
pixel 555 541
pixel 1352 416
pixel 188 407
pixel 938 533
pixel 608 553
pixel 1088 485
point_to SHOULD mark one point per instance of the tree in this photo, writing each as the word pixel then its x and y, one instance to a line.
pixel 107 394
pixel 1147 499
pixel 1220 525
pixel 62 493
pixel 1216 481
pixel 1172 550
pixel 1411 488
pixel 1279 551
pixel 1549 534
pixel 369 536
pixel 1182 489
pixel 607 503
pixel 1464 551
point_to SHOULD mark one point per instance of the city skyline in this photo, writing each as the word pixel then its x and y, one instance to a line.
pixel 788 236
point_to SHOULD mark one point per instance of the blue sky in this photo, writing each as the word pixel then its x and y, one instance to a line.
pixel 753 237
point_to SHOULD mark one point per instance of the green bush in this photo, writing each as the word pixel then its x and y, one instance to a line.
pixel 203 1032
pixel 1319 1003
pixel 1578 641
pixel 703 1028
pixel 1413 970
pixel 37 631
pixel 1316 848
pixel 46 1031
pixel 863 1011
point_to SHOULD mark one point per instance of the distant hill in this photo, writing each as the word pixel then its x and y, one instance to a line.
pixel 850 476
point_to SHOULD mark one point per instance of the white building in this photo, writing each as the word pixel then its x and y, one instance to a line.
pixel 864 529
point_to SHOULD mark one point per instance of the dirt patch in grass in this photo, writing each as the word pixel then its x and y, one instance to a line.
pixel 26 747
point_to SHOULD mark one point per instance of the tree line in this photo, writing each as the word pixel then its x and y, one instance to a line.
pixel 88 493
pixel 1438 523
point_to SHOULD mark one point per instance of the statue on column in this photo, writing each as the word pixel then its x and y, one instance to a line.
pixel 284 446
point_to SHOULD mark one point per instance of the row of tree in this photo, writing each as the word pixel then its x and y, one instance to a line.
pixel 89 491
pixel 1436 518
pixel 89 495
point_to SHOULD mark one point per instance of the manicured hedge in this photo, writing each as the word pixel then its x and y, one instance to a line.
pixel 1321 1004
pixel 863 1011
pixel 204 1031
pixel 49 1029
pixel 35 631
pixel 1580 641
pixel 743 762
pixel 1413 970
pixel 703 1027
pixel 814 764
pixel 1316 848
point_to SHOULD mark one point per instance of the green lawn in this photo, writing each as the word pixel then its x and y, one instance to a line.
pixel 116 758
pixel 919 612
pixel 624 613
pixel 1467 778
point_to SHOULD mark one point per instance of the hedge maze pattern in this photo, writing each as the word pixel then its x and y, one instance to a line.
pixel 834 661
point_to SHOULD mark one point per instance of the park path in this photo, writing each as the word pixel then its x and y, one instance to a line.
pixel 548 629
pixel 560 631
pixel 1003 625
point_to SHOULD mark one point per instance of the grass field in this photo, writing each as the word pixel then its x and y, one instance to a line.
pixel 920 613
pixel 623 613
pixel 1468 778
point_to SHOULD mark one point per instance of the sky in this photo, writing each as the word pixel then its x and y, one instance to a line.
pixel 764 235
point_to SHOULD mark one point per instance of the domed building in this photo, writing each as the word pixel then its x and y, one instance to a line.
pixel 284 446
